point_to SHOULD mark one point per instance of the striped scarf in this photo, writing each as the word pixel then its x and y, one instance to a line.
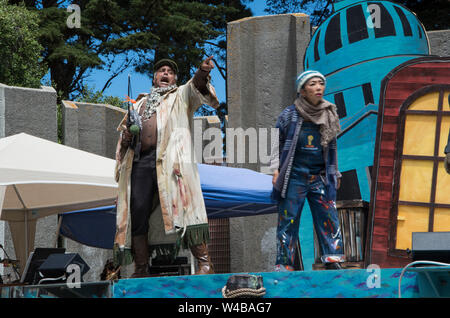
pixel 154 99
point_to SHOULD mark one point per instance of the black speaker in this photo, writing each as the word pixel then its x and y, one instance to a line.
pixel 35 260
pixel 431 246
pixel 56 265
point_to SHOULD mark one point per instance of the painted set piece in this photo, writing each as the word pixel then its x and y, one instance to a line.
pixel 355 56
pixel 359 45
pixel 410 192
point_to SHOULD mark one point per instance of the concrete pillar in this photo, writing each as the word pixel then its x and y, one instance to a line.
pixel 28 110
pixel 264 56
pixel 91 127
pixel 32 111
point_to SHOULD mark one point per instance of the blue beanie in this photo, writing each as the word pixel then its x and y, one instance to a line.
pixel 305 76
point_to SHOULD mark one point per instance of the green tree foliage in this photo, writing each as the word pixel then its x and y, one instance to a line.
pixel 117 34
pixel 91 95
pixel 189 31
pixel 20 51
pixel 318 10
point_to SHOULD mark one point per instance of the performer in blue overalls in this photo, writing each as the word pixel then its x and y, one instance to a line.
pixel 307 169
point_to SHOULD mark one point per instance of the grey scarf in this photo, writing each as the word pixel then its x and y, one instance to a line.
pixel 324 114
pixel 154 99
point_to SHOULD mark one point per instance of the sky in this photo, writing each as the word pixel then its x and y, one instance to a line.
pixel 141 83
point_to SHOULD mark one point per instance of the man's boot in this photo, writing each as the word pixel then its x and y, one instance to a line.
pixel 205 265
pixel 141 256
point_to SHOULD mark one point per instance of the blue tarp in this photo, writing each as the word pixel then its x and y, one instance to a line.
pixel 228 192
pixel 93 227
pixel 233 192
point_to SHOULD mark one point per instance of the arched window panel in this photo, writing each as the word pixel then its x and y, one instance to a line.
pixel 368 94
pixel 340 104
pixel 407 31
pixel 316 47
pixel 386 26
pixel 333 39
pixel 426 102
pixel 419 172
pixel 356 24
pixel 423 128
pixel 422 182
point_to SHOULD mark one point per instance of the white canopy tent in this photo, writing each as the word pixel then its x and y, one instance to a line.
pixel 40 178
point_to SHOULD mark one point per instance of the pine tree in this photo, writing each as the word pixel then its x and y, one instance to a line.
pixel 133 32
pixel 318 10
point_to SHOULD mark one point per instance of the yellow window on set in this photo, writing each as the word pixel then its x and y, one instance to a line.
pixel 424 188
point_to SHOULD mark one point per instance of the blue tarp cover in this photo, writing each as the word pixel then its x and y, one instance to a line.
pixel 228 192
pixel 93 227
pixel 233 192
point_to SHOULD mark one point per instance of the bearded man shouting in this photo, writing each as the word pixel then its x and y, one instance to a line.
pixel 160 199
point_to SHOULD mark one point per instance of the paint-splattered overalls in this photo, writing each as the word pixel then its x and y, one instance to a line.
pixel 305 182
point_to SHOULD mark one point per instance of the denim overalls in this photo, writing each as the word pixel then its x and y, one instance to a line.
pixel 305 182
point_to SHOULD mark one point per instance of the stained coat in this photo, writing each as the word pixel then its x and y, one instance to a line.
pixel 181 209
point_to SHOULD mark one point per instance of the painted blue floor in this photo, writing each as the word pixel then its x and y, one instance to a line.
pixel 354 283
pixel 418 282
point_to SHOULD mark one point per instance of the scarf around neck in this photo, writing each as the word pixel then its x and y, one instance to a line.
pixel 154 99
pixel 323 114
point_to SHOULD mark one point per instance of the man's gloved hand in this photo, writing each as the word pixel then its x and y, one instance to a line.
pixel 207 65
pixel 447 163
pixel 124 142
pixel 201 76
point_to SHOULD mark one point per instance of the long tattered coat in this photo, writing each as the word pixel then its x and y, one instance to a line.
pixel 181 210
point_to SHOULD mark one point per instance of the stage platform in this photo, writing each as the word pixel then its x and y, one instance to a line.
pixel 348 283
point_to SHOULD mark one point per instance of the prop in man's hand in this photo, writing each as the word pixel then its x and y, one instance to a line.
pixel 134 124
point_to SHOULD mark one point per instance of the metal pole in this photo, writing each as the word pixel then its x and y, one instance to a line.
pixel 26 220
pixel 60 217
pixel 26 234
